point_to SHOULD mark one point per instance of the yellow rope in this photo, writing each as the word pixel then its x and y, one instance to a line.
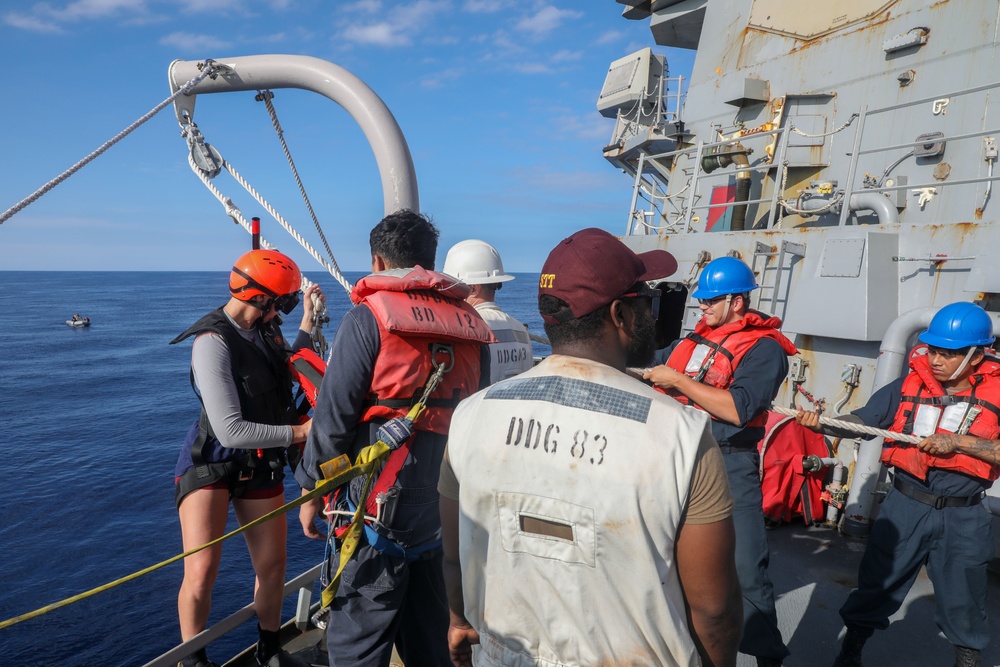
pixel 322 488
pixel 369 456
pixel 369 459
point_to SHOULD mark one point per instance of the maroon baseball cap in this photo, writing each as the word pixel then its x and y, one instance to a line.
pixel 592 268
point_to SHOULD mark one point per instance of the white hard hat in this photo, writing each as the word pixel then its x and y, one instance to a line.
pixel 475 262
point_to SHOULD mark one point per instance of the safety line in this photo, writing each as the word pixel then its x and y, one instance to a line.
pixel 322 488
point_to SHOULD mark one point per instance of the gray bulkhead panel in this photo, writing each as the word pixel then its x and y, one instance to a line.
pixel 847 287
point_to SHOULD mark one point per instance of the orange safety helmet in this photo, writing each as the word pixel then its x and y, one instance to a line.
pixel 264 273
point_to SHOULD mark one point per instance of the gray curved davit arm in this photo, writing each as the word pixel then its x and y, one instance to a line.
pixel 250 73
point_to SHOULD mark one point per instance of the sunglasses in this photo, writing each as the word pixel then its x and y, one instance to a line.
pixel 714 300
pixel 286 303
pixel 645 292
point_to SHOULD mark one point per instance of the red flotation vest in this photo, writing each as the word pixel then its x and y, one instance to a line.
pixel 926 404
pixel 307 370
pixel 417 312
pixel 711 355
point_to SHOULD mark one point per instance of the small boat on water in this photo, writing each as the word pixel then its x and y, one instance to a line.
pixel 77 321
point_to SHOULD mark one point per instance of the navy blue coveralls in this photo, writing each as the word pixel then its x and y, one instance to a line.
pixel 382 598
pixel 955 543
pixel 756 381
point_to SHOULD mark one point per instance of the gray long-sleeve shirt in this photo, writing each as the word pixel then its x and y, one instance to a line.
pixel 211 365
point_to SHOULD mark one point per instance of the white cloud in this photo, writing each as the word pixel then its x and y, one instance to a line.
pixel 92 9
pixel 565 56
pixel 212 6
pixel 591 127
pixel 546 19
pixel 44 17
pixel 610 36
pixel 541 183
pixel 484 6
pixel 439 79
pixel 362 7
pixel 274 38
pixel 190 42
pixel 534 67
pixel 396 26
pixel 378 34
pixel 31 23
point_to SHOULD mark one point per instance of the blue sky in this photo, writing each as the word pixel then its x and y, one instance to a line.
pixel 496 99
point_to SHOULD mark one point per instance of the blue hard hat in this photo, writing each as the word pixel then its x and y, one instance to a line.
pixel 725 275
pixel 959 325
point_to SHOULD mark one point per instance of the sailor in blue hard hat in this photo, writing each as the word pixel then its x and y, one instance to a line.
pixel 959 326
pixel 722 280
pixel 932 515
pixel 732 366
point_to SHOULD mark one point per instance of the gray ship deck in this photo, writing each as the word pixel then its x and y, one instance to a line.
pixel 813 570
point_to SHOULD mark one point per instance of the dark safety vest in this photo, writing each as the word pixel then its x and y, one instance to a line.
pixel 417 312
pixel 263 380
pixel 926 408
pixel 711 355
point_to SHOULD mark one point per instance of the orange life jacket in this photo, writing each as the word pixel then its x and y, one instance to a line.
pixel 711 355
pixel 416 311
pixel 925 400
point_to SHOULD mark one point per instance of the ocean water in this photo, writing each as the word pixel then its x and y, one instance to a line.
pixel 91 421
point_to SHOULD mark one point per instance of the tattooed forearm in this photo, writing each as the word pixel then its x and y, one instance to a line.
pixel 940 444
pixel 987 450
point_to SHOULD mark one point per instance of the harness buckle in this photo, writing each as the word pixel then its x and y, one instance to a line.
pixel 442 348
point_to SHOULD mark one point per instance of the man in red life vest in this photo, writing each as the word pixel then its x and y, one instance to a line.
pixel 406 317
pixel 732 366
pixel 933 514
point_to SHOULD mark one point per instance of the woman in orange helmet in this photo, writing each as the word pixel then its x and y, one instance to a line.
pixel 235 451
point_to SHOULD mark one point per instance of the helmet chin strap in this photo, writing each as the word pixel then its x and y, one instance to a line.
pixel 965 362
pixel 725 311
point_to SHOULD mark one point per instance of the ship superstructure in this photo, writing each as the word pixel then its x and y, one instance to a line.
pixel 845 151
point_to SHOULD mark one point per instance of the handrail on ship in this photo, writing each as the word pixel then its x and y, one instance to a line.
pixel 303 584
pixel 648 176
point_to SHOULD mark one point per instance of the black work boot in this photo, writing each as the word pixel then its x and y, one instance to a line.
pixel 269 652
pixel 850 649
pixel 967 657
pixel 197 659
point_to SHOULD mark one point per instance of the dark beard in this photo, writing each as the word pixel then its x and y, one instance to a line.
pixel 642 347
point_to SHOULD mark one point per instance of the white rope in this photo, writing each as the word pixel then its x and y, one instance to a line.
pixel 539 339
pixel 794 209
pixel 333 270
pixel 266 96
pixel 234 212
pixel 853 426
pixel 826 134
pixel 37 194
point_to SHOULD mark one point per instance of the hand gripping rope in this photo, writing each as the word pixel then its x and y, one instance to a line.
pixel 391 436
pixel 853 426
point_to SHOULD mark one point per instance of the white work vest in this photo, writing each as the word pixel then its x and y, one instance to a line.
pixel 602 463
pixel 511 354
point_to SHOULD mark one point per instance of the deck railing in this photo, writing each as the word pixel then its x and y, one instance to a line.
pixel 302 584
